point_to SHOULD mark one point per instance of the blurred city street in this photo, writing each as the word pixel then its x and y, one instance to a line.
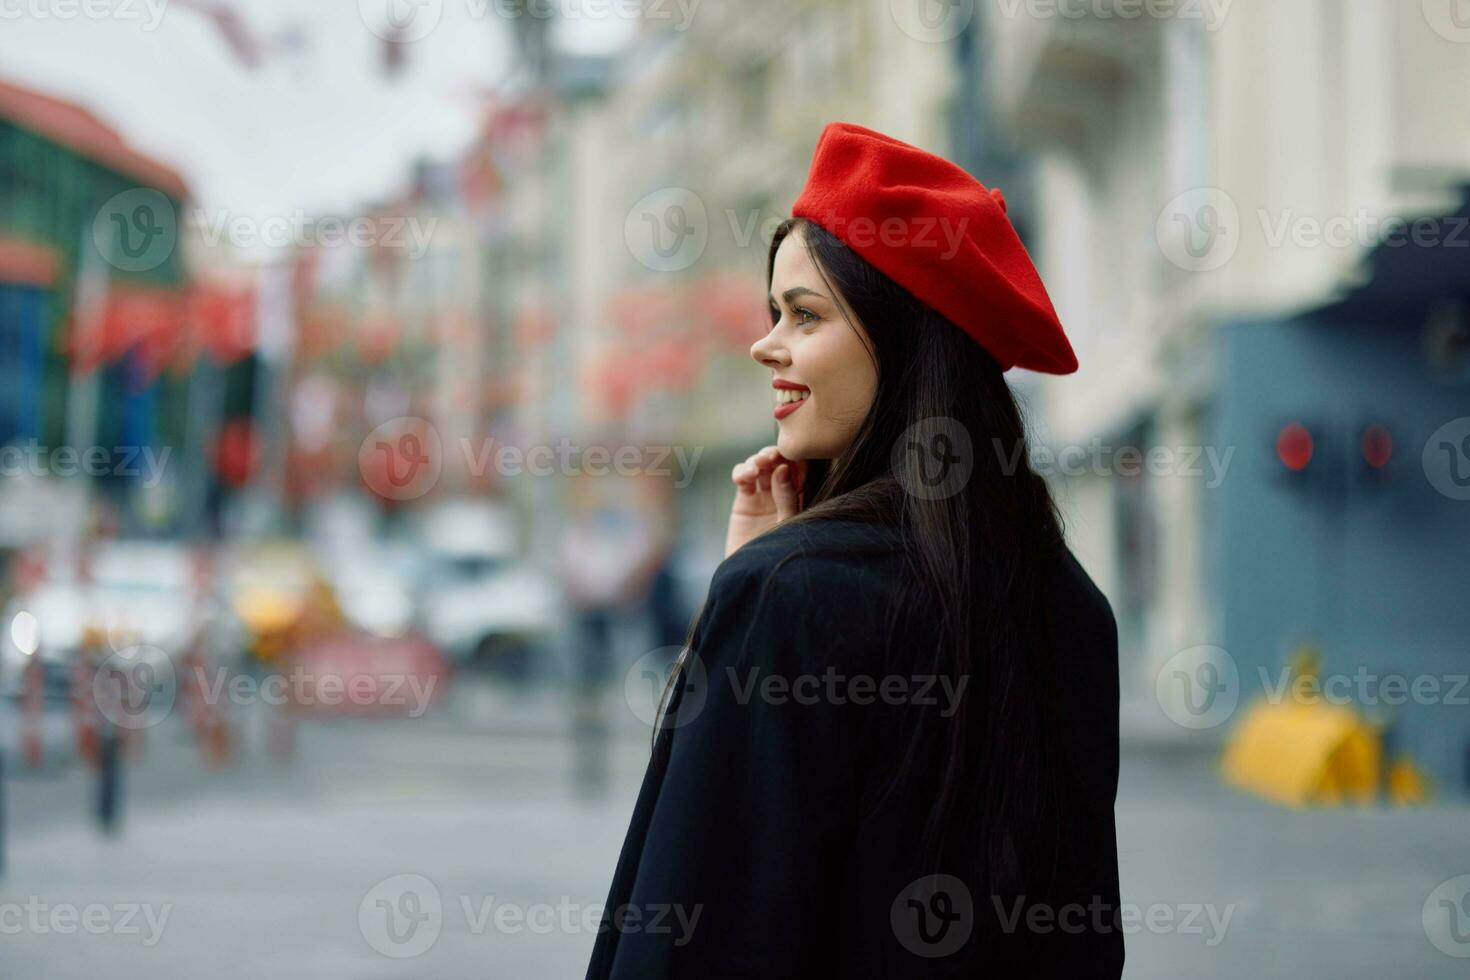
pixel 262 871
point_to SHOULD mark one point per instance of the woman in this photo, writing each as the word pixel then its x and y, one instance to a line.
pixel 890 747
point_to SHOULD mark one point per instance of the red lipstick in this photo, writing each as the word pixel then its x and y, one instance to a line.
pixel 786 408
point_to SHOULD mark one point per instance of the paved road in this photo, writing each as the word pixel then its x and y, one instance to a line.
pixel 327 866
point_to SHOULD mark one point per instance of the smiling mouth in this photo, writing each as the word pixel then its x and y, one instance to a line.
pixel 789 400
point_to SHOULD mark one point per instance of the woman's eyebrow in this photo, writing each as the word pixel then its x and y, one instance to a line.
pixel 796 291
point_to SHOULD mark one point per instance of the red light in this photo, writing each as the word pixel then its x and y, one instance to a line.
pixel 1294 446
pixel 1377 446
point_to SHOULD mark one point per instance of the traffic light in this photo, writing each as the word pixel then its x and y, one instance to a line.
pixel 1375 444
pixel 1298 454
pixel 1331 457
pixel 1295 446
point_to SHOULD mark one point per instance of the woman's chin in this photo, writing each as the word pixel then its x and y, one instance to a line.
pixel 789 445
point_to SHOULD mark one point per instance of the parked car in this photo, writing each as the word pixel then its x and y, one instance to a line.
pixel 479 600
pixel 131 593
pixel 374 581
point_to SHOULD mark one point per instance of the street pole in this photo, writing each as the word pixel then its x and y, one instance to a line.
pixel 2 812
pixel 109 779
pixel 109 754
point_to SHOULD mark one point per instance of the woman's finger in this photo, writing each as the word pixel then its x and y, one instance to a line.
pixel 783 488
pixel 743 476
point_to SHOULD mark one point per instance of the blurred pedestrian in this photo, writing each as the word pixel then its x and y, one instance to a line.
pixel 605 543
pixel 656 580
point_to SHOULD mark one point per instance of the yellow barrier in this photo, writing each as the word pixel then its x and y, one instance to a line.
pixel 1304 755
pixel 1301 751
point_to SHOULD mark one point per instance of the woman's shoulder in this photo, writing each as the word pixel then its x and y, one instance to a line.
pixel 813 579
pixel 1077 598
pixel 836 549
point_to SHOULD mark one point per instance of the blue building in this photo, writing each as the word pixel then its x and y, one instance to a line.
pixel 1366 562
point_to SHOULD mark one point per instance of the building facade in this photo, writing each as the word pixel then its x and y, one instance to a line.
pixel 1225 196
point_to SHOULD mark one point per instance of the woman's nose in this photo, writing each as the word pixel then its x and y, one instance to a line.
pixel 769 353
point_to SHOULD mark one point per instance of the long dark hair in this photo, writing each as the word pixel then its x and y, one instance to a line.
pixel 988 779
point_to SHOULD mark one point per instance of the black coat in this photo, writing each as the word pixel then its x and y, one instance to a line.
pixel 747 855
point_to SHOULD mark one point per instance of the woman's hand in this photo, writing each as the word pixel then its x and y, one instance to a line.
pixel 768 489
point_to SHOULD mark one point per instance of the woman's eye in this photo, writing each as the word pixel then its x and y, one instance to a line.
pixel 802 315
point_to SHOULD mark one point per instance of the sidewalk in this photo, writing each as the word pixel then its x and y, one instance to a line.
pixel 233 890
pixel 328 867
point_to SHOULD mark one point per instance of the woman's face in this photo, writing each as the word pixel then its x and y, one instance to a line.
pixel 818 354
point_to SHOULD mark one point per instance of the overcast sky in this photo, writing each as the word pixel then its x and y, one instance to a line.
pixel 317 127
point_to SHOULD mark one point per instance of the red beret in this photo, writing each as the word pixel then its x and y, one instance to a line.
pixel 942 235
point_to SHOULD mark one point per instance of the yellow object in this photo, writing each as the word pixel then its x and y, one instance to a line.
pixel 1303 751
pixel 264 609
pixel 1304 754
pixel 1408 785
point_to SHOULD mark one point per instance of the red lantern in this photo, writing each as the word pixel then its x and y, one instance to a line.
pixel 237 452
pixel 222 317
